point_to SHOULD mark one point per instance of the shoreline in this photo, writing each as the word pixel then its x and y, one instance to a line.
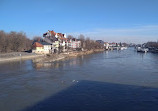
pixel 57 57
pixel 2 60
pixel 50 57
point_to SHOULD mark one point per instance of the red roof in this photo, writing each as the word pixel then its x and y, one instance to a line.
pixel 36 44
pixel 60 34
pixel 52 32
pixel 63 38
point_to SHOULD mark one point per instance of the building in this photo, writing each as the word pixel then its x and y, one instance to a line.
pixel 42 48
pixel 74 43
pixel 100 42
pixel 112 44
pixel 47 47
pixel 37 48
pixel 63 44
pixel 58 40
pixel 106 45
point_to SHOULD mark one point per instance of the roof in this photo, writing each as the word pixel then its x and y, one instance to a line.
pixel 53 39
pixel 52 32
pixel 100 41
pixel 37 44
pixel 44 43
pixel 63 38
pixel 60 34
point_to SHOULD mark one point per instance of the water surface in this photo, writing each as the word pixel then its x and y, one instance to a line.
pixel 112 80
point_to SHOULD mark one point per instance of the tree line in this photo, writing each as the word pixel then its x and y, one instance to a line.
pixel 87 43
pixel 152 44
pixel 18 41
pixel 14 42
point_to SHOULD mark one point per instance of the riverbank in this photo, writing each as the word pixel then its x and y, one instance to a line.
pixel 14 56
pixel 44 58
pixel 56 57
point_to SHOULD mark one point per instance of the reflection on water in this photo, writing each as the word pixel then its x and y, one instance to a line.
pixel 62 63
pixel 25 83
pixel 10 67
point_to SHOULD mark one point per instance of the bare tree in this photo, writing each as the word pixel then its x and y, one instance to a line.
pixel 70 37
pixel 82 39
pixel 37 39
pixel 14 41
pixel 152 44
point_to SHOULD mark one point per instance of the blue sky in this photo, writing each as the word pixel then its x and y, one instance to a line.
pixel 109 20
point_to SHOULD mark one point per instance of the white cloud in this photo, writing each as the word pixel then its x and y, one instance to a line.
pixel 137 34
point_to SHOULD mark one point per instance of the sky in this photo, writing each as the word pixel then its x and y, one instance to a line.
pixel 110 20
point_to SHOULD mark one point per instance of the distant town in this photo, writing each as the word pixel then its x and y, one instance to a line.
pixel 52 42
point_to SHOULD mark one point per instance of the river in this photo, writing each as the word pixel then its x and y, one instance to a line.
pixel 107 81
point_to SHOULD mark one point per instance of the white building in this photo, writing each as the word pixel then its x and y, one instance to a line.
pixel 42 48
pixel 106 45
pixel 47 47
pixel 74 44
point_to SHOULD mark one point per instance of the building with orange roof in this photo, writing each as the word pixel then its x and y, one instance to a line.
pixel 41 48
pixel 57 40
pixel 37 48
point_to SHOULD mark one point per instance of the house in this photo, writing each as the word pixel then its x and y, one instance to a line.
pixel 58 40
pixel 100 42
pixel 60 35
pixel 49 34
pixel 47 47
pixel 106 45
pixel 112 44
pixel 37 48
pixel 74 43
pixel 42 48
pixel 63 43
pixel 55 45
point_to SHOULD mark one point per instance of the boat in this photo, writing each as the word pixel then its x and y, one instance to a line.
pixel 123 48
pixel 153 50
pixel 142 49
pixel 115 48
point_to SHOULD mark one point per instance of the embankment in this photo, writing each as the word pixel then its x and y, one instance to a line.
pixel 75 54
pixel 44 58
pixel 56 57
pixel 17 56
